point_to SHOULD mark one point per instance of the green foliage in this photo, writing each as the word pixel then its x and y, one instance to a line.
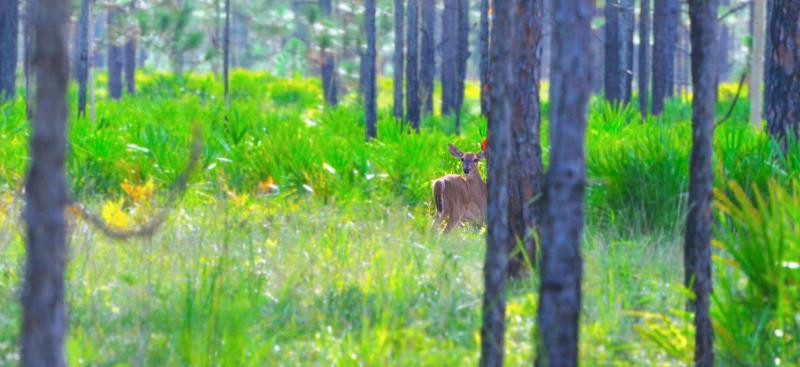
pixel 300 244
pixel 758 297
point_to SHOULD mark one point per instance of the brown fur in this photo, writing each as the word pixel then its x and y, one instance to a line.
pixel 461 198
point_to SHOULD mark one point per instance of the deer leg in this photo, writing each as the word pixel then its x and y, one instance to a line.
pixel 437 221
pixel 452 222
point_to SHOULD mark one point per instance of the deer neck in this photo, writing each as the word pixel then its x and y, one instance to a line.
pixel 475 180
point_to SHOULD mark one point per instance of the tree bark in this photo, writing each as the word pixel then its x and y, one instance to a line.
pixel 644 57
pixel 399 11
pixel 697 248
pixel 614 52
pixel 449 56
pixel 562 220
pixel 757 63
pixel 412 72
pixel 44 320
pixel 663 51
pixel 498 238
pixel 328 64
pixel 783 69
pixel 83 55
pixel 370 95
pixel 114 58
pixel 675 21
pixel 226 53
pixel 526 173
pixel 484 63
pixel 130 57
pixel 628 21
pixel 9 31
pixel 427 68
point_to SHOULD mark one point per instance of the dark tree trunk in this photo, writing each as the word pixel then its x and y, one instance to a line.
pixel 628 19
pixel 449 56
pixel 562 220
pixel 644 57
pixel 114 58
pixel 498 238
pixel 615 52
pixel 370 93
pixel 675 20
pixel 399 11
pixel 526 176
pixel 130 58
pixel 226 53
pixel 427 68
pixel 782 82
pixel 463 57
pixel 328 64
pixel 83 55
pixel 412 72
pixel 9 31
pixel 663 51
pixel 44 319
pixel 484 66
pixel 697 248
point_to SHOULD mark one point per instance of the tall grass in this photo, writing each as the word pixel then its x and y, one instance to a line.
pixel 300 244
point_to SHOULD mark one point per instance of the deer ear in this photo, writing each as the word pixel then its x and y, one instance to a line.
pixel 482 154
pixel 455 151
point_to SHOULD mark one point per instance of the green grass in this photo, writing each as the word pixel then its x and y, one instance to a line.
pixel 340 267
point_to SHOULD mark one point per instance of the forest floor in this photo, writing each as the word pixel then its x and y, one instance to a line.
pixel 297 243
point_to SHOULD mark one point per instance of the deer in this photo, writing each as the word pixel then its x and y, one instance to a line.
pixel 461 198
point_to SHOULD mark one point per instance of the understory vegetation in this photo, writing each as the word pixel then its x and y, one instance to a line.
pixel 298 243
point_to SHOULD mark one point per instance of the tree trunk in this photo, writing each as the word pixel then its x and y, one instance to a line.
pixel 526 176
pixel 498 238
pixel 644 57
pixel 562 220
pixel 757 63
pixel 463 57
pixel 412 72
pixel 114 58
pixel 783 69
pixel 226 53
pixel 130 58
pixel 628 20
pixel 399 11
pixel 449 56
pixel 615 52
pixel 328 64
pixel 675 20
pixel 663 51
pixel 697 248
pixel 427 68
pixel 83 55
pixel 9 31
pixel 44 319
pixel 484 66
pixel 370 95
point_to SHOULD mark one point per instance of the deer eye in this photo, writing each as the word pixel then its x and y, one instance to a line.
pixel 475 160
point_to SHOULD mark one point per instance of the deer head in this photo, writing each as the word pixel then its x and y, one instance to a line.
pixel 469 161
